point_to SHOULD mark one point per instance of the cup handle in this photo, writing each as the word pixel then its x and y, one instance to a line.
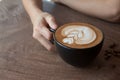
pixel 53 31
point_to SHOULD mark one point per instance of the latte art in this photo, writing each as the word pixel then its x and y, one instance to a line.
pixel 78 35
pixel 78 43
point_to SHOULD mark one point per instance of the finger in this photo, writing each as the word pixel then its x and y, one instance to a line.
pixel 51 21
pixel 43 41
pixel 42 29
pixel 46 33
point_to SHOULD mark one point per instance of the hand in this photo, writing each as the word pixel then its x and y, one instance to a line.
pixel 41 25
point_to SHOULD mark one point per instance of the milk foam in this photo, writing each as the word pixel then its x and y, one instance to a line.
pixel 78 35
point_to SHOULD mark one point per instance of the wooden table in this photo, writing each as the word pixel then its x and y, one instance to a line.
pixel 23 58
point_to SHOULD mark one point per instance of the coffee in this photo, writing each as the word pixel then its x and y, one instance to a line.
pixel 78 44
pixel 78 35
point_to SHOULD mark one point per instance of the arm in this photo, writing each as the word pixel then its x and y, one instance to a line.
pixel 104 9
pixel 41 22
pixel 34 7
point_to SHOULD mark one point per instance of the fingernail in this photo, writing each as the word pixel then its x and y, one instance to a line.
pixel 54 26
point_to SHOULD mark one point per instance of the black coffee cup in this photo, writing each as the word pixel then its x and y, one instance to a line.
pixel 74 56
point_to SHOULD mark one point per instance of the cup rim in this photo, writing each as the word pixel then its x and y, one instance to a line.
pixel 77 48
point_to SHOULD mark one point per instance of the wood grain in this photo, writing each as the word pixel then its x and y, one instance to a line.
pixel 23 58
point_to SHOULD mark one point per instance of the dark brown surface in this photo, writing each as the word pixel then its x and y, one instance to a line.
pixel 23 58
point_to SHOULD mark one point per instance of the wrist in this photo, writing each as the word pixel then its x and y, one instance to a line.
pixel 34 14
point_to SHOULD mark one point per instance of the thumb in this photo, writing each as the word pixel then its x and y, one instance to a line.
pixel 51 21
